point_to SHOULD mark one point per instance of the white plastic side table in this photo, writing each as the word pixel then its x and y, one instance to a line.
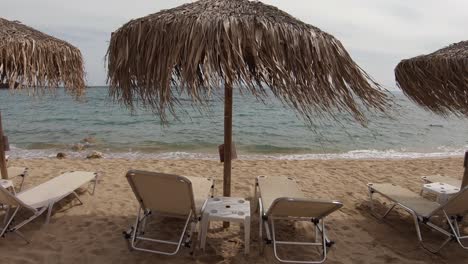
pixel 442 190
pixel 227 209
pixel 8 184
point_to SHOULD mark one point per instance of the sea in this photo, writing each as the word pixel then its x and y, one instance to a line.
pixel 40 126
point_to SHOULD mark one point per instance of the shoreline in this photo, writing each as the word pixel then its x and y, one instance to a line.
pixel 183 155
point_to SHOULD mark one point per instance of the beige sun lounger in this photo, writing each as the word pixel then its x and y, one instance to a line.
pixel 440 178
pixel 423 210
pixel 43 197
pixel 281 198
pixel 167 195
pixel 18 172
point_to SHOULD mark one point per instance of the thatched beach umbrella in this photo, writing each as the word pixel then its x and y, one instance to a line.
pixel 36 62
pixel 202 46
pixel 438 82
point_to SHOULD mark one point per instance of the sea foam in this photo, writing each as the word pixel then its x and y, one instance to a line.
pixel 18 153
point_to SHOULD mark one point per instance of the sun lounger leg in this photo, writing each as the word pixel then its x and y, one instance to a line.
pixel 95 183
pixel 323 244
pixel 18 233
pixel 260 227
pixel 419 234
pixel 7 212
pixel 22 181
pixel 78 198
pixel 456 231
pixel 38 213
pixel 135 236
pixel 212 190
pixel 49 213
pixel 389 209
pixel 255 197
pixel 324 241
pixel 416 224
pixel 144 221
pixel 190 241
pixel 371 192
pixel 372 207
pixel 135 229
pixel 8 221
pixel 319 229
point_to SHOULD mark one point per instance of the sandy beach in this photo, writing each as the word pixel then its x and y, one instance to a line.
pixel 92 233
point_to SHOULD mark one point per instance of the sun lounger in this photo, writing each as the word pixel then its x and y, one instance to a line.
pixel 42 197
pixel 18 172
pixel 281 198
pixel 440 178
pixel 423 211
pixel 167 195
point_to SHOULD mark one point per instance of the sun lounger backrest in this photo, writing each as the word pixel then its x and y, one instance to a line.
pixel 7 198
pixel 163 193
pixel 302 207
pixel 457 205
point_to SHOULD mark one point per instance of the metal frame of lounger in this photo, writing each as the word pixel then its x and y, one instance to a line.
pixel 136 232
pixel 8 220
pixel 453 220
pixel 13 201
pixel 267 221
pixel 51 203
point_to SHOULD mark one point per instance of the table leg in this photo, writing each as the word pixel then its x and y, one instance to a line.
pixel 247 234
pixel 204 230
pixel 442 198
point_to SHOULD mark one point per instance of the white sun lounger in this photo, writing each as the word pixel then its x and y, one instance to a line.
pixel 167 195
pixel 42 197
pixel 440 178
pixel 18 172
pixel 281 198
pixel 423 210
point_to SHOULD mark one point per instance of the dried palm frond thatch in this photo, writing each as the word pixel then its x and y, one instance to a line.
pixel 437 81
pixel 200 46
pixel 32 59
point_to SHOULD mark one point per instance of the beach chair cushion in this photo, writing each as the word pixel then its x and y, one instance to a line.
pixel 439 178
pixel 168 193
pixel 273 187
pixel 406 198
pixel 201 189
pixel 7 198
pixel 55 189
pixel 302 207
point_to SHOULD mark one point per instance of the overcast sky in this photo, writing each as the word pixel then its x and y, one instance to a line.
pixel 377 33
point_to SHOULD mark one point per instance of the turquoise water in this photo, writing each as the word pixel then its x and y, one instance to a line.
pixel 43 126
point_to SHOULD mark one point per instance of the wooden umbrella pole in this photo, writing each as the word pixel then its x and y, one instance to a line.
pixel 465 173
pixel 3 165
pixel 227 138
pixel 227 141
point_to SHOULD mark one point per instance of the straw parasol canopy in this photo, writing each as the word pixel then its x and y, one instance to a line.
pixel 437 81
pixel 207 45
pixel 32 60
